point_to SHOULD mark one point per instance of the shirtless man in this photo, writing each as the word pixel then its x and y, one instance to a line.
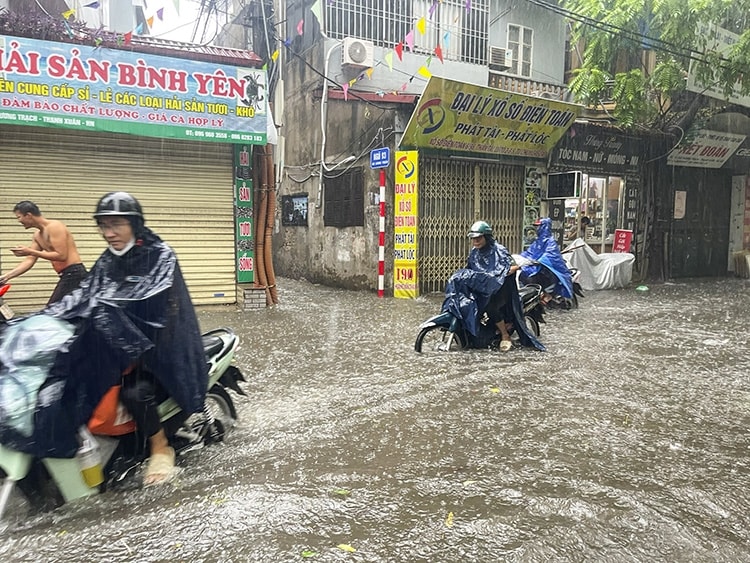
pixel 52 242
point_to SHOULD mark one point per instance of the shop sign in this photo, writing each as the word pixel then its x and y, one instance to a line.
pixel 705 149
pixel 405 283
pixel 243 214
pixel 48 84
pixel 623 240
pixel 459 117
pixel 590 148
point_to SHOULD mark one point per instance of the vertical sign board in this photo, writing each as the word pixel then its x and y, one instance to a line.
pixel 405 283
pixel 623 239
pixel 243 213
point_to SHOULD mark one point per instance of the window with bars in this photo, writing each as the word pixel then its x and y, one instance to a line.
pixel 461 34
pixel 520 41
pixel 344 200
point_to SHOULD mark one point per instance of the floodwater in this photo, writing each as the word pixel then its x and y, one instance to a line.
pixel 625 441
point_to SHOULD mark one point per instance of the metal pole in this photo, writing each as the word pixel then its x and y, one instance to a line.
pixel 381 238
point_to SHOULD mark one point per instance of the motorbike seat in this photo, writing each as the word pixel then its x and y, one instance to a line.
pixel 212 345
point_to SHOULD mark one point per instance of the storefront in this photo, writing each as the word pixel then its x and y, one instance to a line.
pixel 479 153
pixel 593 183
pixel 85 122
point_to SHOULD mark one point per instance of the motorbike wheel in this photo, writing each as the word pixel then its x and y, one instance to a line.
pixel 216 419
pixel 532 325
pixel 437 339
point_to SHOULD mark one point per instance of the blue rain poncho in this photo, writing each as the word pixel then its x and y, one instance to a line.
pixel 546 251
pixel 469 290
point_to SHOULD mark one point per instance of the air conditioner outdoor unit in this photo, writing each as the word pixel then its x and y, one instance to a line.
pixel 357 53
pixel 500 59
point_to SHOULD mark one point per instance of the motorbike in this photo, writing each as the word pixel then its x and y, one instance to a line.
pixel 446 332
pixel 50 482
pixel 537 272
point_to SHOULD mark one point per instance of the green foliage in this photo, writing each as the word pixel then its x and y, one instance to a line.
pixel 670 29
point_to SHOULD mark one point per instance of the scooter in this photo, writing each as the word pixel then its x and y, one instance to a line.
pixel 445 332
pixel 50 482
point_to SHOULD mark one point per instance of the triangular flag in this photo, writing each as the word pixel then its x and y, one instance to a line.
pixel 446 38
pixel 301 27
pixel 421 25
pixel 424 72
pixel 403 86
pixel 69 13
pixel 160 14
pixel 368 72
pixel 315 9
pixel 128 37
pixel 177 6
pixel 139 29
pixel 468 6
pixel 428 61
pixel 389 59
pixel 439 53
pixel 91 5
pixel 275 55
pixel 150 22
pixel 431 11
pixel 346 91
pixel 410 40
pixel 353 81
pixel 399 51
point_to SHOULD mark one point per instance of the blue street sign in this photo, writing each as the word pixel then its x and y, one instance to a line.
pixel 380 158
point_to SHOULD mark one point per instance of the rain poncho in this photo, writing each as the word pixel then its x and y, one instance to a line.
pixel 546 251
pixel 469 290
pixel 134 307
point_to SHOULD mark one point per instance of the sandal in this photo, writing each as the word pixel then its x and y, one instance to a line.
pixel 505 345
pixel 159 469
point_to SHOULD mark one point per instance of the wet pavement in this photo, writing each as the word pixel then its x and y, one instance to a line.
pixel 625 441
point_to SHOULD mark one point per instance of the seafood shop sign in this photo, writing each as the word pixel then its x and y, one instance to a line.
pixel 48 84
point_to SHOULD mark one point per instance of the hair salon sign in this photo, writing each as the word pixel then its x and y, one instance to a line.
pixel 71 86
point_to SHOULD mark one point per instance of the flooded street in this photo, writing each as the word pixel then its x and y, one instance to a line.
pixel 625 441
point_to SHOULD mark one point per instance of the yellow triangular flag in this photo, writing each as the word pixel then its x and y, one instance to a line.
pixel 69 13
pixel 421 25
pixel 275 55
pixel 150 22
pixel 424 72
pixel 352 82
pixel 369 73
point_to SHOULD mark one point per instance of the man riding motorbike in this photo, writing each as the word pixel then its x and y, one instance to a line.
pixel 135 326
pixel 488 285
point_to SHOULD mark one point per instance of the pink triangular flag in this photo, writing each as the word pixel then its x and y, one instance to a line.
pixel 301 27
pixel 346 91
pixel 410 40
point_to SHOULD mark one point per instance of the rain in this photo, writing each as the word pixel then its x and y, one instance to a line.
pixel 625 441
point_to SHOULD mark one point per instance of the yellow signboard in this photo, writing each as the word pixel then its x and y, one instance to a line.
pixel 405 283
pixel 455 116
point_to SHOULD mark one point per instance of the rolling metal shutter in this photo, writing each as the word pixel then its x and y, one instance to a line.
pixel 185 189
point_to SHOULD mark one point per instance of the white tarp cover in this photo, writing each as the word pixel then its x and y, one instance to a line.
pixel 609 270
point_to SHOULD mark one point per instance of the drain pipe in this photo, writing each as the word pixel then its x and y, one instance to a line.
pixel 323 119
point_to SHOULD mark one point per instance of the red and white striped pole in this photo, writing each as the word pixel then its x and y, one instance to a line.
pixel 381 237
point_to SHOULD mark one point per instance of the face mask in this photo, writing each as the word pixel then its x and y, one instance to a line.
pixel 124 250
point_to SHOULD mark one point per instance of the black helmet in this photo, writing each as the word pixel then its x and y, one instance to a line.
pixel 118 204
